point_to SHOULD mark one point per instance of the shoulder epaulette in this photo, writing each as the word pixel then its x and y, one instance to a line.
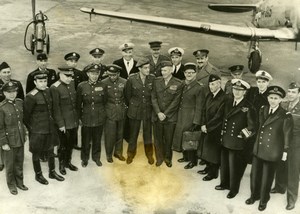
pixel 133 74
pixel 3 103
pixel 18 99
pixel 288 112
pixel 56 84
pixel 200 83
pixel 33 92
pixel 151 75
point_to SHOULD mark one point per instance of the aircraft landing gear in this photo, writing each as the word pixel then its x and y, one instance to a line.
pixel 254 57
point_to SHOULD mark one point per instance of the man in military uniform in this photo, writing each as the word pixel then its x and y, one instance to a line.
pixel 39 121
pixel 165 98
pixel 5 76
pixel 97 57
pixel 211 125
pixel 176 54
pixel 127 63
pixel 271 146
pixel 204 67
pixel 156 58
pixel 236 72
pixel 42 62
pixel 115 109
pixel 138 95
pixel 91 99
pixel 65 116
pixel 12 137
pixel 189 113
pixel 238 125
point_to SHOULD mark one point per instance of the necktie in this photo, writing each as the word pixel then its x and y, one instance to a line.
pixel 175 70
pixel 271 111
pixel 234 103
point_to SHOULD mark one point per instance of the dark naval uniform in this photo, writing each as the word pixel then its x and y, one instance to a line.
pixel 138 96
pixel 179 74
pixel 165 99
pixel 238 120
pixel 155 67
pixel 65 115
pixel 91 99
pixel 115 109
pixel 52 78
pixel 257 99
pixel 124 73
pixel 12 133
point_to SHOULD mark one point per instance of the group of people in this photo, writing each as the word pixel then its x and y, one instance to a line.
pixel 239 124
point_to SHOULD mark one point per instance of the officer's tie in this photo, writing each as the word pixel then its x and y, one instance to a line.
pixel 175 70
pixel 234 104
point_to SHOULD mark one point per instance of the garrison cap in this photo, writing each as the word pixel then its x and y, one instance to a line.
pixel 142 61
pixel 97 52
pixel 276 90
pixel 239 84
pixel 213 78
pixel 176 51
pixel 126 46
pixel 155 44
pixel 3 66
pixel 72 55
pixel 236 69
pixel 113 69
pixel 263 75
pixel 10 87
pixel 41 57
pixel 190 65
pixel 166 63
pixel 201 52
pixel 40 75
pixel 294 85
pixel 92 68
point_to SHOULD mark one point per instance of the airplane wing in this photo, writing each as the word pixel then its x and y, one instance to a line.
pixel 241 33
pixel 233 8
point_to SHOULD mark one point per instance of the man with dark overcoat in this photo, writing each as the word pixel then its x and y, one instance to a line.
pixel 176 54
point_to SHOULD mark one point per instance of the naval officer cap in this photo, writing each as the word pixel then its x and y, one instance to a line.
pixel 236 69
pixel 294 85
pixel 142 61
pixel 239 84
pixel 213 78
pixel 10 87
pixel 41 57
pixel 190 66
pixel 155 44
pixel 113 69
pixel 40 75
pixel 166 64
pixel 201 53
pixel 126 46
pixel 3 66
pixel 97 52
pixel 276 90
pixel 263 75
pixel 176 51
pixel 72 55
pixel 92 68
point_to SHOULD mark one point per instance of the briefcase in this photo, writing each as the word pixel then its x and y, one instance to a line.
pixel 190 140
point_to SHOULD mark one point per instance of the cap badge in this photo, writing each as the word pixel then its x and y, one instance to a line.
pixel 97 50
pixel 74 54
pixel 275 89
pixel 10 84
pixel 238 83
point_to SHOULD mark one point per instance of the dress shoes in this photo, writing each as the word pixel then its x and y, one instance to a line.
pixel 129 160
pixel 231 195
pixel 262 207
pixel 220 187
pixel 158 163
pixel 274 190
pixel 40 178
pixel 169 164
pixel 208 178
pixel 202 162
pixel 22 187
pixel 1 167
pixel 290 206
pixel 98 163
pixel 77 147
pixel 62 169
pixel 190 165
pixel 54 175
pixel 203 172
pixel 13 191
pixel 120 157
pixel 250 201
pixel 110 160
pixel 150 160
pixel 84 164
pixel 71 167
pixel 181 160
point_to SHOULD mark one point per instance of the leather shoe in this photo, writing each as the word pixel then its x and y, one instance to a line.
pixel 120 157
pixel 62 169
pixel 98 162
pixel 71 167
pixel 169 164
pixel 40 178
pixel 13 191
pixel 208 178
pixel 250 201
pixel 203 172
pixel 290 206
pixel 190 165
pixel 150 160
pixel 231 195
pixel 158 163
pixel 110 160
pixel 274 190
pixel 84 163
pixel 129 160
pixel 262 207
pixel 181 160
pixel 202 162
pixel 1 167
pixel 54 175
pixel 77 147
pixel 220 187
pixel 22 187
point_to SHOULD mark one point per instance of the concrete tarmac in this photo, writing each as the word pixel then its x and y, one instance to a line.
pixel 136 188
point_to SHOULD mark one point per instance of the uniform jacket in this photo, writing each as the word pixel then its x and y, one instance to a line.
pixel 115 107
pixel 138 96
pixel 123 73
pixel 91 100
pixel 189 111
pixel 64 104
pixel 166 98
pixel 52 78
pixel 12 130
pixel 155 69
pixel 20 92
pixel 295 111
pixel 258 100
pixel 38 112
pixel 180 73
pixel 274 134
pixel 79 76
pixel 235 120
pixel 204 72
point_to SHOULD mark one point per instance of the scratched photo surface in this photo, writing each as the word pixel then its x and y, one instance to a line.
pixel 138 187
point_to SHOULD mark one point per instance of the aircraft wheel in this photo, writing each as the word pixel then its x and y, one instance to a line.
pixel 254 61
pixel 48 44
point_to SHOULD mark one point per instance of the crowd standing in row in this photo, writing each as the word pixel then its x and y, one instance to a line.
pixel 239 124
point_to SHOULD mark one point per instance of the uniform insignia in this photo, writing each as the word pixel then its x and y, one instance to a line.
pixel 109 86
pixel 98 89
pixel 245 109
pixel 34 92
pixel 56 84
pixel 288 112
pixel 173 87
pixel 53 77
pixel 121 85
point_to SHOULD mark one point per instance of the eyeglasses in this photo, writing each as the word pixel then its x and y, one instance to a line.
pixel 189 73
